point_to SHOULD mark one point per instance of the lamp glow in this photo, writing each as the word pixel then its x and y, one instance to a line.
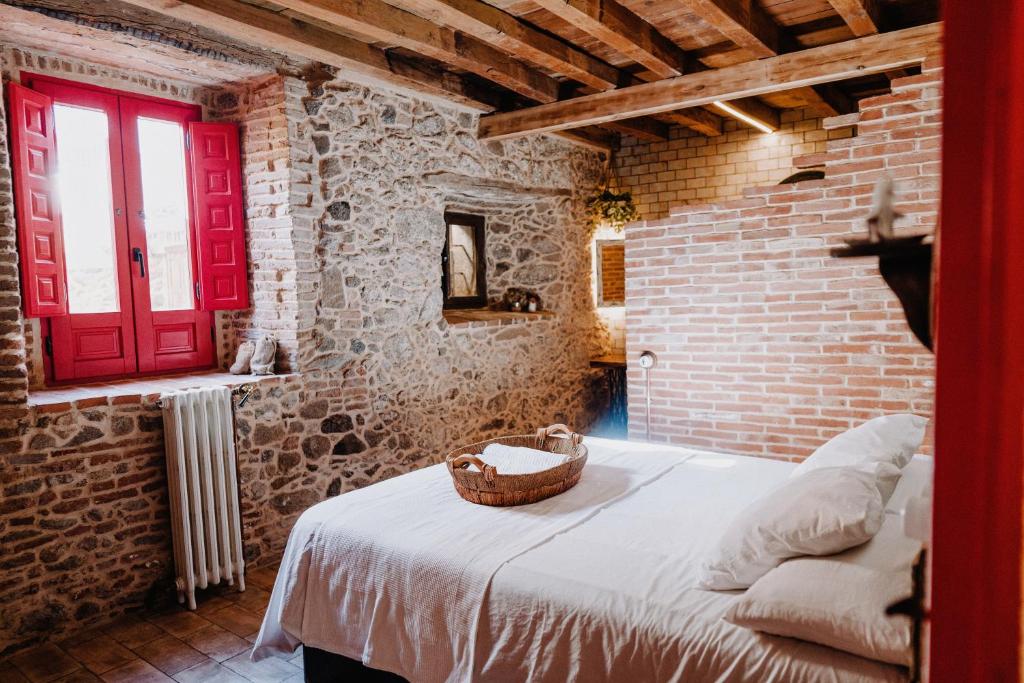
pixel 745 118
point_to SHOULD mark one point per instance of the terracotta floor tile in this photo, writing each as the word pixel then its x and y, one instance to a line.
pixel 263 577
pixel 270 670
pixel 238 620
pixel 131 631
pixel 137 671
pixel 217 643
pixel 44 663
pixel 169 654
pixel 80 637
pixel 212 603
pixel 179 622
pixel 10 674
pixel 80 676
pixel 209 672
pixel 253 599
pixel 101 654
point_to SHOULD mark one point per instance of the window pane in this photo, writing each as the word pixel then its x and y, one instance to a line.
pixel 83 181
pixel 462 260
pixel 165 203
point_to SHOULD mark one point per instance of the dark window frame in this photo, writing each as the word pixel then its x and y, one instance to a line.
pixel 478 224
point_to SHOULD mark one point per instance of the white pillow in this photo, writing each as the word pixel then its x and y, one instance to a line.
pixel 839 601
pixel 823 512
pixel 887 477
pixel 890 438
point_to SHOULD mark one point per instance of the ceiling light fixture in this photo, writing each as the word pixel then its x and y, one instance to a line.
pixel 744 117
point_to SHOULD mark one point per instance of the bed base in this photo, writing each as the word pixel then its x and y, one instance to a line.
pixel 326 667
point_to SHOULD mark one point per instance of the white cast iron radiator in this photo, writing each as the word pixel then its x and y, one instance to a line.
pixel 203 484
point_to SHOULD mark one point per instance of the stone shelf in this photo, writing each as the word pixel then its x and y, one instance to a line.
pixel 485 317
pixel 135 390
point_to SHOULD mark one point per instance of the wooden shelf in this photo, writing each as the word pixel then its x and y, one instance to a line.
pixel 611 360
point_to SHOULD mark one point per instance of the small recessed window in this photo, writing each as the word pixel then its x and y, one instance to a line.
pixel 611 272
pixel 463 262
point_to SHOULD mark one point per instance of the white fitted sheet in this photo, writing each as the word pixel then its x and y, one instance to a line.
pixel 597 584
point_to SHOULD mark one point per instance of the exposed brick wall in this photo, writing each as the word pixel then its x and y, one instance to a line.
pixel 260 109
pixel 13 370
pixel 690 168
pixel 766 344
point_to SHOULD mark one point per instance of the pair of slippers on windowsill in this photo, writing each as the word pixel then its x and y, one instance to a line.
pixel 255 358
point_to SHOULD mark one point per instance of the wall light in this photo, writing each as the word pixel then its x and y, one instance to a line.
pixel 744 117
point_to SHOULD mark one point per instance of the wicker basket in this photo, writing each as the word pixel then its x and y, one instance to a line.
pixel 489 487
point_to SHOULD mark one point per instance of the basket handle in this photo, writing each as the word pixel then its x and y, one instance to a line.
pixel 557 430
pixel 464 461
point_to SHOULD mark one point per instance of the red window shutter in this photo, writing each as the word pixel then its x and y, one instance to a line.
pixel 37 210
pixel 217 191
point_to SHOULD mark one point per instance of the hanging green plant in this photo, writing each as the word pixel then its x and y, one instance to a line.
pixel 612 208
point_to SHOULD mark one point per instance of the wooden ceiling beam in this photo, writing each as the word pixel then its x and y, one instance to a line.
pixel 649 129
pixel 507 32
pixel 814 66
pixel 271 30
pixel 755 109
pixel 385 23
pixel 860 15
pixel 835 101
pixel 744 22
pixel 593 137
pixel 695 118
pixel 623 31
pixel 512 35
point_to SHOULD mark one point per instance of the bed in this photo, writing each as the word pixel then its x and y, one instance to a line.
pixel 597 584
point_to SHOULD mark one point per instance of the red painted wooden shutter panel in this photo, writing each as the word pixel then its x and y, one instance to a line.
pixel 37 210
pixel 217 192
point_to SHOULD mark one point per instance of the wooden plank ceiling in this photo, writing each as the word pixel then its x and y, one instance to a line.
pixel 510 55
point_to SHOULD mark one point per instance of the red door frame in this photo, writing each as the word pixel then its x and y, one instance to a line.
pixel 979 412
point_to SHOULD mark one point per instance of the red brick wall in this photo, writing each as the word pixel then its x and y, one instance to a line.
pixel 766 344
pixel 690 168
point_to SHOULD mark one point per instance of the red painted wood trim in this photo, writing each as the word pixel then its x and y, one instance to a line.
pixel 220 218
pixel 118 327
pixel 979 416
pixel 37 206
pixel 34 81
pixel 153 327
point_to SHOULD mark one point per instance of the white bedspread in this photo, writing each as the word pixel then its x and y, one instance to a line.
pixel 394 574
pixel 597 584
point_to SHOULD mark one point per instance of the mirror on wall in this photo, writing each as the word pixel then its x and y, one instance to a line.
pixel 611 272
pixel 463 261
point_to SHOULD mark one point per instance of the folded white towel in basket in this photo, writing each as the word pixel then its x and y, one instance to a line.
pixel 519 460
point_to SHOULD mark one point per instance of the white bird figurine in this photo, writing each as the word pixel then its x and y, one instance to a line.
pixel 883 215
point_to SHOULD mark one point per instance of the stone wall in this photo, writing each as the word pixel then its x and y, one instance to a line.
pixel 346 189
pixel 768 345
